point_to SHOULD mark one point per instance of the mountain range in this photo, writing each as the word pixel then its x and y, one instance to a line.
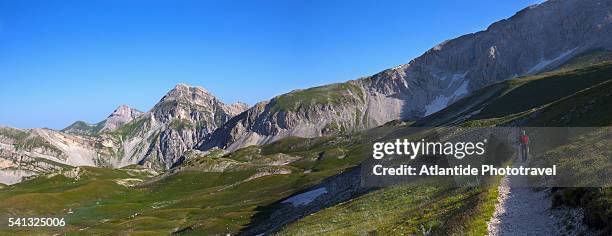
pixel 292 165
pixel 536 39
pixel 155 139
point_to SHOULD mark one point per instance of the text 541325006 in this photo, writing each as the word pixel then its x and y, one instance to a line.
pixel 36 222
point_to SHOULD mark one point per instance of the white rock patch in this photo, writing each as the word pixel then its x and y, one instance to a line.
pixel 9 177
pixel 442 101
pixel 128 182
pixel 305 198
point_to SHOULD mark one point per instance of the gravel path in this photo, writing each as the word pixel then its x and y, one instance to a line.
pixel 522 211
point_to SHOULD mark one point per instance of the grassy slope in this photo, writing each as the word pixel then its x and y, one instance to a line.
pixel 205 202
pixel 83 128
pixel 199 202
pixel 510 99
pixel 591 160
pixel 588 58
pixel 404 210
pixel 329 94
pixel 556 93
pixel 533 92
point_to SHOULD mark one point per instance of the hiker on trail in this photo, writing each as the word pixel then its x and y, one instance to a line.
pixel 524 141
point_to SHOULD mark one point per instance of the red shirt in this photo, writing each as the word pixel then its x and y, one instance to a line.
pixel 524 139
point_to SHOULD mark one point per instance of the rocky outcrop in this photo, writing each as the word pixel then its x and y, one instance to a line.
pixel 25 153
pixel 307 113
pixel 536 39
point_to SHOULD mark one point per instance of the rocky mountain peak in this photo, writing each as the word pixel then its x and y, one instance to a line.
pixel 189 94
pixel 158 138
pixel 180 120
pixel 185 88
pixel 122 115
pixel 125 111
pixel 188 97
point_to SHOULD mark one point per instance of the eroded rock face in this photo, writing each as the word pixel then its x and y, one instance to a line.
pixel 308 113
pixel 536 39
pixel 25 153
pixel 178 122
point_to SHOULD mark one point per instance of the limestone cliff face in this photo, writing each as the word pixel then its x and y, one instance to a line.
pixel 176 124
pixel 312 112
pixel 536 39
pixel 28 152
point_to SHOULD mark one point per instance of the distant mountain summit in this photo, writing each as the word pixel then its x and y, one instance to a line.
pixel 122 115
pixel 156 139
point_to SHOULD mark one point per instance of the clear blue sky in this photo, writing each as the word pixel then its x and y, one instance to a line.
pixel 62 61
